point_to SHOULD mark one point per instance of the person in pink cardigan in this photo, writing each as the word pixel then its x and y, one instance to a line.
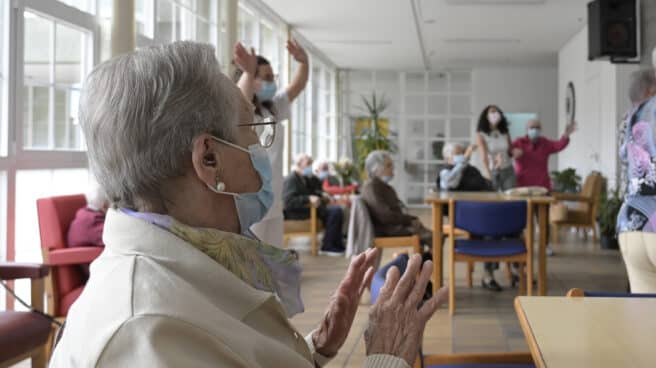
pixel 532 151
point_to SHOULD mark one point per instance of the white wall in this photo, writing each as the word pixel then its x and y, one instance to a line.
pixel 600 103
pixel 519 90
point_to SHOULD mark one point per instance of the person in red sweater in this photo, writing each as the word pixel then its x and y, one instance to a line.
pixel 86 229
pixel 532 152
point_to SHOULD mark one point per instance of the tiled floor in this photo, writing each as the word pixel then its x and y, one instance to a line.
pixel 484 321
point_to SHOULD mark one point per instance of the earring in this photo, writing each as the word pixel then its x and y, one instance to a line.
pixel 220 186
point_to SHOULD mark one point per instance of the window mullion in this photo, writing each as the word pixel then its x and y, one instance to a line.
pixel 51 88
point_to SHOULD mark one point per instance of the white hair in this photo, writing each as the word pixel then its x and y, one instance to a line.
pixel 375 161
pixel 318 163
pixel 95 195
pixel 141 111
pixel 642 81
pixel 449 148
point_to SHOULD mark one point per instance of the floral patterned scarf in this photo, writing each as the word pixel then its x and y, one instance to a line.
pixel 260 265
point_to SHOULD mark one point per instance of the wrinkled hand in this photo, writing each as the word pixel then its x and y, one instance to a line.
pixel 517 153
pixel 315 201
pixel 246 61
pixel 571 128
pixel 297 51
pixel 396 325
pixel 334 329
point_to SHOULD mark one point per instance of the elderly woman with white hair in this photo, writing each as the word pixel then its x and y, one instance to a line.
pixel 458 174
pixel 387 212
pixel 182 282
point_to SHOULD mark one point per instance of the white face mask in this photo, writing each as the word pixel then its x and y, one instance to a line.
pixel 494 117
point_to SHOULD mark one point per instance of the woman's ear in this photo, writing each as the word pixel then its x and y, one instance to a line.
pixel 205 159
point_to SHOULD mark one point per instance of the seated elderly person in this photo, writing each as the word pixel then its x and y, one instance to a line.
pixel 458 174
pixel 178 284
pixel 302 189
pixel 385 208
pixel 86 229
pixel 330 183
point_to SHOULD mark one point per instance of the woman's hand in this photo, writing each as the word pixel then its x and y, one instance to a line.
pixel 246 61
pixel 396 322
pixel 297 51
pixel 517 153
pixel 334 329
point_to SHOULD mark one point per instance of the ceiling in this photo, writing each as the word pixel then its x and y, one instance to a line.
pixel 432 34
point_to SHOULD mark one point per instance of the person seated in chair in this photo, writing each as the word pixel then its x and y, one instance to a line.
pixel 86 229
pixel 302 189
pixel 458 174
pixel 330 183
pixel 385 208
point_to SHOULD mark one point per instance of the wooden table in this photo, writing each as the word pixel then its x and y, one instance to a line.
pixel 589 332
pixel 540 204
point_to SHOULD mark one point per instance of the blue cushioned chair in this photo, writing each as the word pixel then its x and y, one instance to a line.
pixel 496 230
pixel 486 360
pixel 601 294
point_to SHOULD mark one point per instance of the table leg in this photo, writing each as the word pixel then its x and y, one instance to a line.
pixel 529 249
pixel 542 255
pixel 437 246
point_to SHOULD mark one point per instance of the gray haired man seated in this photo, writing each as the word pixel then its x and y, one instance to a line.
pixel 458 174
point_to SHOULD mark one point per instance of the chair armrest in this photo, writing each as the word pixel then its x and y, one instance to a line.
pixel 13 271
pixel 573 197
pixel 73 256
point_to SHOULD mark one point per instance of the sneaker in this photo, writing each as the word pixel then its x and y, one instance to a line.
pixel 332 252
pixel 491 284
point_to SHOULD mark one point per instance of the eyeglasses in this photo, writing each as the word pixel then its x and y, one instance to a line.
pixel 265 131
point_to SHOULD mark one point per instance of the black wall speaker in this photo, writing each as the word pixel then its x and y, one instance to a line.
pixel 613 30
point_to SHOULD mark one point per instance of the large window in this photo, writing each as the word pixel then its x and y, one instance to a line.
pixel 4 65
pixel 57 56
pixel 185 20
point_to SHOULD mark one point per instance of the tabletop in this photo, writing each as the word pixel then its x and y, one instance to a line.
pixel 589 332
pixel 445 197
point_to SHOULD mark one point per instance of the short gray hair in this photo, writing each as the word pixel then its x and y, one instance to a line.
pixel 641 82
pixel 375 160
pixel 447 151
pixel 140 113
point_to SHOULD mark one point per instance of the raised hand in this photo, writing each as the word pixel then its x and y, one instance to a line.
pixel 246 61
pixel 396 322
pixel 297 51
pixel 334 328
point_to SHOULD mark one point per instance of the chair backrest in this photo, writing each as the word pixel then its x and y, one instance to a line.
pixel 55 215
pixel 491 218
pixel 401 262
pixel 592 187
pixel 360 234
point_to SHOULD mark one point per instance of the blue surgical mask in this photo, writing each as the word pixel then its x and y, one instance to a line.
pixel 459 159
pixel 386 178
pixel 267 91
pixel 534 133
pixel 323 175
pixel 307 171
pixel 252 207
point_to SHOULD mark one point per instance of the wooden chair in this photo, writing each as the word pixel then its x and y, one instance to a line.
pixel 310 227
pixel 583 215
pixel 500 220
pixel 24 335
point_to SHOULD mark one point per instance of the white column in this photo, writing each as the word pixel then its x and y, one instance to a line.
pixel 230 13
pixel 648 30
pixel 123 27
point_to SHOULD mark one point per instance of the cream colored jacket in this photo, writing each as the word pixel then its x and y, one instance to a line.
pixel 154 300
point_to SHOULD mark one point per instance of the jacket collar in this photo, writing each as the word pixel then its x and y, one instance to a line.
pixel 128 236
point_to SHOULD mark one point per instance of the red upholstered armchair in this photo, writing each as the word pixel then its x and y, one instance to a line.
pixel 24 334
pixel 67 279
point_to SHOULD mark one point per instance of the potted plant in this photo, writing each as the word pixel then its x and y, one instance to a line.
pixel 566 181
pixel 372 138
pixel 609 207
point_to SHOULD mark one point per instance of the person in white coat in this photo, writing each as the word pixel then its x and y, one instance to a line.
pixel 257 83
pixel 178 284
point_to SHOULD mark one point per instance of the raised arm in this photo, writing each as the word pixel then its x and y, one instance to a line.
pixel 301 77
pixel 247 62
